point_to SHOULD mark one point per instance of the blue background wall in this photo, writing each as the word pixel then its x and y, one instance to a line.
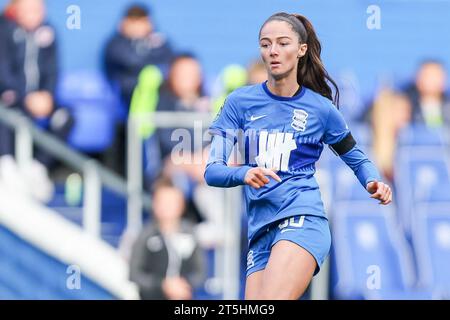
pixel 222 32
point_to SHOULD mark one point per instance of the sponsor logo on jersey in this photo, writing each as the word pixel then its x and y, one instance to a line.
pixel 275 150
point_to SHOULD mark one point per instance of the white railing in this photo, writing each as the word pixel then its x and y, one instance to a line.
pixel 95 175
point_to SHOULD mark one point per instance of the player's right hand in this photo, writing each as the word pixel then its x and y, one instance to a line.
pixel 257 177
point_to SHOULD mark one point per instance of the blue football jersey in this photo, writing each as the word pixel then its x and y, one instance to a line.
pixel 282 133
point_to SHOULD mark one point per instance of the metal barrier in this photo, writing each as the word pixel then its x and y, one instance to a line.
pixel 95 175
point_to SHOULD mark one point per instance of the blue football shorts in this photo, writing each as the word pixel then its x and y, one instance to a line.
pixel 309 232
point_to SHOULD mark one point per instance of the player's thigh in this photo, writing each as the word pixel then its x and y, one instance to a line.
pixel 288 272
pixel 253 285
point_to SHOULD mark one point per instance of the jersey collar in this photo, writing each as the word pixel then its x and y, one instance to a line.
pixel 297 95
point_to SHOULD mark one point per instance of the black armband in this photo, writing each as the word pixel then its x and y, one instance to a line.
pixel 343 146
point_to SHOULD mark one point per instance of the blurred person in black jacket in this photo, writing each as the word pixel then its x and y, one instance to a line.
pixel 134 46
pixel 166 261
pixel 29 69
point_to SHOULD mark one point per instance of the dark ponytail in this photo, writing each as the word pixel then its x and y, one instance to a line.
pixel 311 72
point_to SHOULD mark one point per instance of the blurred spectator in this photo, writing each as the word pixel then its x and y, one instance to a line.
pixel 7 16
pixel 183 92
pixel 427 97
pixel 257 72
pixel 422 102
pixel 206 203
pixel 166 261
pixel 231 77
pixel 28 70
pixel 391 112
pixel 6 25
pixel 234 76
pixel 134 46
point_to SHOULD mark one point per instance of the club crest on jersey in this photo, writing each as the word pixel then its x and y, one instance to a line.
pixel 299 120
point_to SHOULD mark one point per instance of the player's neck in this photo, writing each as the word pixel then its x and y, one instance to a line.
pixel 283 87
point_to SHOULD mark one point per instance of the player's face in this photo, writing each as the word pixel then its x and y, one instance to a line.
pixel 280 49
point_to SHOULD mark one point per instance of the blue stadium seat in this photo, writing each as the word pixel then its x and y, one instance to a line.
pixel 431 239
pixel 93 129
pixel 438 192
pixel 421 135
pixel 345 184
pixel 369 246
pixel 362 133
pixel 95 106
pixel 418 170
pixel 84 86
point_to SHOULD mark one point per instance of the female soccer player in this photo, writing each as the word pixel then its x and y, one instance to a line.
pixel 281 126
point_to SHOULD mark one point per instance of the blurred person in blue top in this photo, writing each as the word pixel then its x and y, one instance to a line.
pixel 280 127
pixel 29 68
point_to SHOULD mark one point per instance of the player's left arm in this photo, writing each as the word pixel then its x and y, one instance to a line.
pixel 366 172
pixel 340 140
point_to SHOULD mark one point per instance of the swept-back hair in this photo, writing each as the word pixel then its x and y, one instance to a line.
pixel 311 71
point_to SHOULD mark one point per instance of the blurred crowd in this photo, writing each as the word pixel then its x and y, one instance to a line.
pixel 148 75
pixel 424 101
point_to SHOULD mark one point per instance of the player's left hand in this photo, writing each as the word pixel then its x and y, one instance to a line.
pixel 380 191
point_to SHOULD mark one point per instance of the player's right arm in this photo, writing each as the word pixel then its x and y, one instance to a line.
pixel 219 174
pixel 224 130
